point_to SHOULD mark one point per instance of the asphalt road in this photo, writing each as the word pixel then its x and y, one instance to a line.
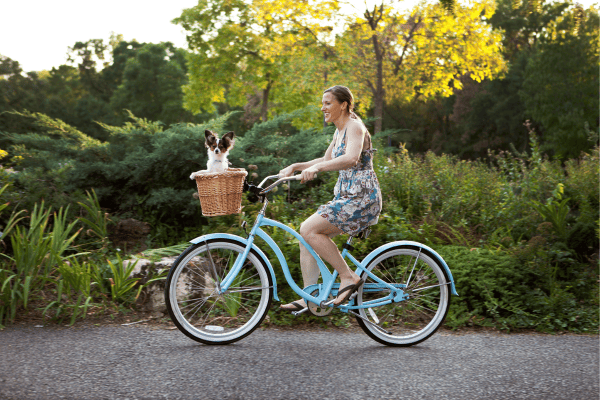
pixel 136 362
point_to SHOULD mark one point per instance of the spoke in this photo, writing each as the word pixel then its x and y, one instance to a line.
pixel 247 289
pixel 413 268
pixel 212 264
pixel 207 314
pixel 192 301
pixel 385 274
pixel 415 304
pixel 246 308
pixel 198 283
pixel 387 314
pixel 248 278
pixel 429 287
pixel 196 308
pixel 406 269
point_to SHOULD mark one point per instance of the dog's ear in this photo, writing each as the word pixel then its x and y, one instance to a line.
pixel 208 134
pixel 229 135
pixel 210 137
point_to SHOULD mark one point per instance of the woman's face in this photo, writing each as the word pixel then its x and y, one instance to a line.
pixel 332 108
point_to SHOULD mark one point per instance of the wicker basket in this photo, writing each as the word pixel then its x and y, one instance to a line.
pixel 221 192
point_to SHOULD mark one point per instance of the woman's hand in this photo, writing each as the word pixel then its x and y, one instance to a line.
pixel 309 174
pixel 288 171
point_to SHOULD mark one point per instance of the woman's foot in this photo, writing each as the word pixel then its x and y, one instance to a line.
pixel 347 287
pixel 294 306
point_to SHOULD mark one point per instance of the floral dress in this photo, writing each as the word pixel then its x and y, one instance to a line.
pixel 357 196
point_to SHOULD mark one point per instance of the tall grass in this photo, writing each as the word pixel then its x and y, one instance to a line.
pixel 46 258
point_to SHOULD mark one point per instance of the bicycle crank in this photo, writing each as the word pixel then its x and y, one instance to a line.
pixel 318 310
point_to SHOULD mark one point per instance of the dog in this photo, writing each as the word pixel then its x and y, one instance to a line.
pixel 218 149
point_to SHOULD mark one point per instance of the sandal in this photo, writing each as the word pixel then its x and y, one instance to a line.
pixel 293 306
pixel 350 289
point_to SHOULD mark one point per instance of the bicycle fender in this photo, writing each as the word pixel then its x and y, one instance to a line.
pixel 243 242
pixel 425 248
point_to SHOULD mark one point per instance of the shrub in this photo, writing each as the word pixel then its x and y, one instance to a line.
pixel 497 289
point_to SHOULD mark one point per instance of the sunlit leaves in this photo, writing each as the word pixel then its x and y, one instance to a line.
pixel 243 50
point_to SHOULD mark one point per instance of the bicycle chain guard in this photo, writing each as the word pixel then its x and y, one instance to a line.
pixel 316 309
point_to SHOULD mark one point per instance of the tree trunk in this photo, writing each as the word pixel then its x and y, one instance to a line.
pixel 373 19
pixel 325 82
pixel 264 108
pixel 378 91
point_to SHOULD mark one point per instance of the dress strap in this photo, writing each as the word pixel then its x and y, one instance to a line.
pixel 343 138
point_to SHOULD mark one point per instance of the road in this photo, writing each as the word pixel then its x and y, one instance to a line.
pixel 136 362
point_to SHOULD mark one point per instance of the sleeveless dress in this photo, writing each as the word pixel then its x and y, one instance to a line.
pixel 357 196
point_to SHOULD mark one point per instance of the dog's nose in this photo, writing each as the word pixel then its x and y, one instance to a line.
pixel 217 151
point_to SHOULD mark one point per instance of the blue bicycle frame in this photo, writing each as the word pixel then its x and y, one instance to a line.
pixel 328 287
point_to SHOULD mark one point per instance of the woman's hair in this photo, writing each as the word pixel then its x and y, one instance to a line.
pixel 342 94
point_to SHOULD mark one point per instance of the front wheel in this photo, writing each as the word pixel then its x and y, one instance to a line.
pixel 424 309
pixel 195 304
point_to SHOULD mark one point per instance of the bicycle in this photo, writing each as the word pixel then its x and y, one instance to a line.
pixel 219 289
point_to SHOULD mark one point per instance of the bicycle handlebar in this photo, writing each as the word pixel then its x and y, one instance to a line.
pixel 276 183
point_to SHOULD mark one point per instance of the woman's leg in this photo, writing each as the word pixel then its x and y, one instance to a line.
pixel 308 264
pixel 317 232
pixel 310 273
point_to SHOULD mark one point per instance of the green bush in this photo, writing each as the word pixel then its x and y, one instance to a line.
pixel 497 289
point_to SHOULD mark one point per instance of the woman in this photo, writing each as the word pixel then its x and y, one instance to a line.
pixel 357 201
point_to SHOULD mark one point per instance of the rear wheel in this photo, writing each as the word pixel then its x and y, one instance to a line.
pixel 195 304
pixel 416 318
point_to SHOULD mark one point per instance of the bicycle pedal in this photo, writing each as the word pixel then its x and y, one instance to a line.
pixel 296 313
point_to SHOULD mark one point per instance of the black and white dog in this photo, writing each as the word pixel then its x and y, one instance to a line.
pixel 218 149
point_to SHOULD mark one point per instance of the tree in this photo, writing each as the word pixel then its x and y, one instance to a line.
pixel 421 54
pixel 491 114
pixel 18 91
pixel 151 84
pixel 524 22
pixel 122 51
pixel 242 50
pixel 560 87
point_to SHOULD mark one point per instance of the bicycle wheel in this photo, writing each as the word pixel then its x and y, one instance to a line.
pixel 192 292
pixel 416 318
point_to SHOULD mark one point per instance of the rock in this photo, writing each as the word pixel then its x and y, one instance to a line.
pixel 141 264
pixel 152 298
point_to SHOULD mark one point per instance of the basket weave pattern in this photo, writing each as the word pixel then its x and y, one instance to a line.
pixel 221 192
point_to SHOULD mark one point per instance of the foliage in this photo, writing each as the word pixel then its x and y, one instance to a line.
pixel 565 104
pixel 43 263
pixel 422 54
pixel 151 84
pixel 552 80
pixel 120 282
pixel 555 211
pixel 496 289
pixel 253 44
pixel 35 253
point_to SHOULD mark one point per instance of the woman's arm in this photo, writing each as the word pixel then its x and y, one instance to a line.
pixel 355 135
